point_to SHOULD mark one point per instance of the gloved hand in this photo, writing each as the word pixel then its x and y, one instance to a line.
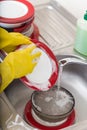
pixel 10 40
pixel 17 64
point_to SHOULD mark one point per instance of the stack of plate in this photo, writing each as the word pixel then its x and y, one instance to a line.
pixel 17 16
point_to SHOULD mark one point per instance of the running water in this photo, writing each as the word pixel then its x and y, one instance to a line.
pixel 61 65
pixel 60 76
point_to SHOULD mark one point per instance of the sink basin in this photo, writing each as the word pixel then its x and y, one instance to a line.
pixel 58 32
pixel 74 79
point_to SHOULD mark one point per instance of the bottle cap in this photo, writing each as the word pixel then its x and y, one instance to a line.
pixel 85 15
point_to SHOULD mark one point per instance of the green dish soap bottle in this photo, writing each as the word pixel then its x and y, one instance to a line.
pixel 81 36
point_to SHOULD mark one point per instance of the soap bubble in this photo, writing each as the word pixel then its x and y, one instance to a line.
pixel 54 101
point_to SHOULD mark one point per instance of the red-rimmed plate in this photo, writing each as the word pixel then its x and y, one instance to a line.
pixel 45 74
pixel 29 118
pixel 15 11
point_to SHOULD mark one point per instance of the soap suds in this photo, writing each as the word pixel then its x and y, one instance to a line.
pixel 54 102
pixel 43 70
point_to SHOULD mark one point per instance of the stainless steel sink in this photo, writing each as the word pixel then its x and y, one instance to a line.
pixel 74 79
pixel 57 30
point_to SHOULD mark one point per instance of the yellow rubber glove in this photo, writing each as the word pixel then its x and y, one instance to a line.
pixel 17 64
pixel 10 40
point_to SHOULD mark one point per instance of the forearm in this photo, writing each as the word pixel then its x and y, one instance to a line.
pixel 6 75
pixel 17 64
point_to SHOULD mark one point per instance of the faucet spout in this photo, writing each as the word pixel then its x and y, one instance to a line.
pixel 71 60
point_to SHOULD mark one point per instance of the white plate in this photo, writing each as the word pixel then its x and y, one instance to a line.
pixel 45 73
pixel 15 12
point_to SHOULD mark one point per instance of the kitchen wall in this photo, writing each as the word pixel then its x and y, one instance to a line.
pixel 76 7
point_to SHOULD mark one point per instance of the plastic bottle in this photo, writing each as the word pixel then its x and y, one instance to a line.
pixel 81 36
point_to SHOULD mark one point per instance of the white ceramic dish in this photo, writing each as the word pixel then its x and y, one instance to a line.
pixel 15 13
pixel 45 73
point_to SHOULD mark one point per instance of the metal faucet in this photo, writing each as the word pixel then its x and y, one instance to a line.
pixel 71 60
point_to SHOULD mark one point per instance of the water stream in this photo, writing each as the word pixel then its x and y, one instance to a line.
pixel 59 78
pixel 61 66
